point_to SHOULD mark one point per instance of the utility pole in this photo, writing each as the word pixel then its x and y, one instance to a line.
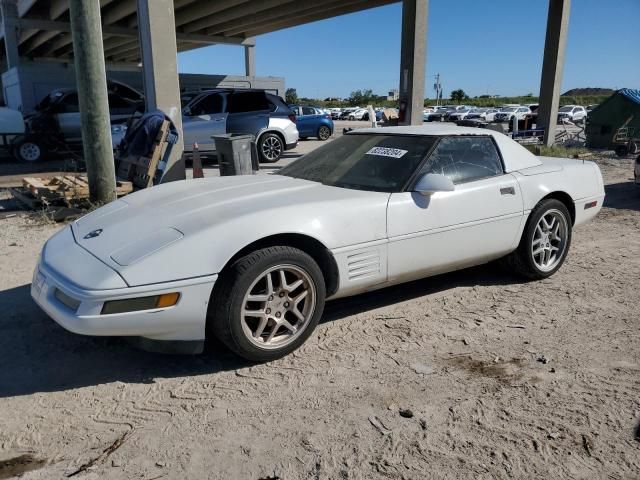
pixel 438 88
pixel 91 81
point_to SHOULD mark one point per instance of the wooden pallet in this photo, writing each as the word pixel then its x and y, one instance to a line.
pixel 141 171
pixel 64 189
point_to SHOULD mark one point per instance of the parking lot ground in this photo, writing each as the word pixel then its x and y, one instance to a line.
pixel 474 374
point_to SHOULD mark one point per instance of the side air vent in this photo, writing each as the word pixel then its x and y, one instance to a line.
pixel 363 264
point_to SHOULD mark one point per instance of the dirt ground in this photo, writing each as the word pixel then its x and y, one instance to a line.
pixel 467 375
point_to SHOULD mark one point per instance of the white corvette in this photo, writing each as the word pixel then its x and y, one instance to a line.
pixel 251 259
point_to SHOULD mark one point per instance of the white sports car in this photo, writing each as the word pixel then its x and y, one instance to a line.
pixel 251 259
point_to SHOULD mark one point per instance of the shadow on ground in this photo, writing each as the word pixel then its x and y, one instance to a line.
pixel 624 195
pixel 37 355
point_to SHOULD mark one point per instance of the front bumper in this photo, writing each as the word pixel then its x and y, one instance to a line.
pixel 184 321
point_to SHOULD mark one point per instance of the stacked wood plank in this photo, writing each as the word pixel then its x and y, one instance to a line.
pixel 63 189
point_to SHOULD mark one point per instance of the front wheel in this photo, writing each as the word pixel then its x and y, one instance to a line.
pixel 267 303
pixel 324 133
pixel 545 241
pixel 270 148
pixel 28 150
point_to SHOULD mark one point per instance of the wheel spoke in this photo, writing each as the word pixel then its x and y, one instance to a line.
pixel 288 326
pixel 254 313
pixel 297 313
pixel 272 333
pixel 292 287
pixel 300 297
pixel 263 297
pixel 283 280
pixel 261 327
pixel 269 284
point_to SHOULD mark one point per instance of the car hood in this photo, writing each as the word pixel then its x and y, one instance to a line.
pixel 191 228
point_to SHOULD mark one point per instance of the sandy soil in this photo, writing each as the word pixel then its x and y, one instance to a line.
pixel 468 375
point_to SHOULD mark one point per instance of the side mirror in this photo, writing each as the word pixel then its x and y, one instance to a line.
pixel 186 111
pixel 432 183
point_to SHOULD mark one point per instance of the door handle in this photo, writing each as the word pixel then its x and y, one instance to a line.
pixel 507 191
pixel 219 120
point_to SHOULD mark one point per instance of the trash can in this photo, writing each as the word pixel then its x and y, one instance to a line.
pixel 237 154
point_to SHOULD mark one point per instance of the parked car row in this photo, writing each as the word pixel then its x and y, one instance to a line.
pixel 276 126
pixel 506 113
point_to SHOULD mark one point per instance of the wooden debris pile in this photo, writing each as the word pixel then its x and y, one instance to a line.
pixel 69 190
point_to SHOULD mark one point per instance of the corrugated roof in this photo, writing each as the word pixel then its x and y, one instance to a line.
pixel 45 30
pixel 631 94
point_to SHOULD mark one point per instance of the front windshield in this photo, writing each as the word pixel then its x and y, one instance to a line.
pixel 509 109
pixel 373 162
pixel 565 109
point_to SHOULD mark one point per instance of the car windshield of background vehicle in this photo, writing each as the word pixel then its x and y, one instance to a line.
pixel 565 109
pixel 378 163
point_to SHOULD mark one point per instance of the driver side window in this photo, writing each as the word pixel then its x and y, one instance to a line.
pixel 464 159
pixel 208 105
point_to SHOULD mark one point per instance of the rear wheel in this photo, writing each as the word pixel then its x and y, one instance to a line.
pixel 324 133
pixel 545 241
pixel 270 148
pixel 267 303
pixel 28 150
pixel 622 150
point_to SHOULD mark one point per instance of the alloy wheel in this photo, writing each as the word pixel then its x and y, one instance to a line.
pixel 272 148
pixel 278 306
pixel 324 133
pixel 29 152
pixel 549 240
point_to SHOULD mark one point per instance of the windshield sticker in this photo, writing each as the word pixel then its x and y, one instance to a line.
pixel 387 152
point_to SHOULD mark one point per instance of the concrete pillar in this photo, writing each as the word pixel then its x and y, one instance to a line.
pixel 156 24
pixel 250 60
pixel 91 81
pixel 413 57
pixel 552 67
pixel 10 24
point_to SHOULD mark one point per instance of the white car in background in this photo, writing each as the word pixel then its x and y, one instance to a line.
pixel 572 113
pixel 509 113
pixel 460 114
pixel 358 114
pixel 251 259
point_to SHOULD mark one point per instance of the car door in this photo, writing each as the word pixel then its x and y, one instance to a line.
pixel 249 112
pixel 68 115
pixel 202 118
pixel 309 121
pixel 120 110
pixel 477 222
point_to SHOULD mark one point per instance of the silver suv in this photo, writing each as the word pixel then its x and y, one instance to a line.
pixel 256 112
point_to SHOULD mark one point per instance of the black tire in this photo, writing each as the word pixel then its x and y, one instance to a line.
pixel 270 147
pixel 622 150
pixel 324 133
pixel 28 150
pixel 522 260
pixel 224 319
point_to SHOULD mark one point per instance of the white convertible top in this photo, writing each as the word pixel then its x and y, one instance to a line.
pixel 515 156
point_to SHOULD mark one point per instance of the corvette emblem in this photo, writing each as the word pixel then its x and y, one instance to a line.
pixel 93 234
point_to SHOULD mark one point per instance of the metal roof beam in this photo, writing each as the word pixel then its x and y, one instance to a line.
pixel 323 15
pixel 194 12
pixel 251 22
pixel 252 8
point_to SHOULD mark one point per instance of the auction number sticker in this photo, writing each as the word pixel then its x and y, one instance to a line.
pixel 387 152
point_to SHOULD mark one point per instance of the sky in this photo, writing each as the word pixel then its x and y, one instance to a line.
pixel 490 47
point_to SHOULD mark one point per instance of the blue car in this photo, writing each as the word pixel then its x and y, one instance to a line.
pixel 312 122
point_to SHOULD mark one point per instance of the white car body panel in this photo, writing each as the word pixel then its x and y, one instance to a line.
pixel 179 236
pixel 450 229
